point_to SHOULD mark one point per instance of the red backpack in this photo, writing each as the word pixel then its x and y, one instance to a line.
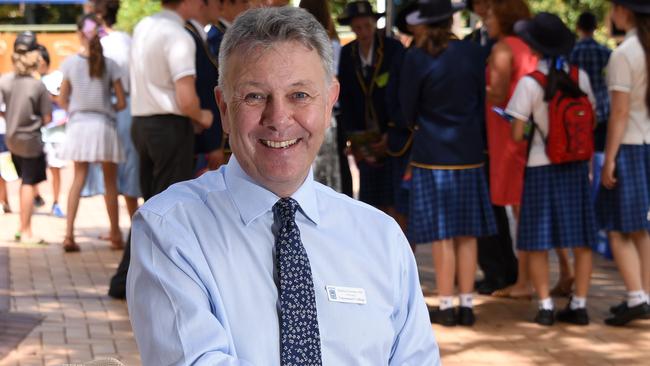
pixel 571 123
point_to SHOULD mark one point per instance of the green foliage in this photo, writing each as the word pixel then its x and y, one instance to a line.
pixel 131 11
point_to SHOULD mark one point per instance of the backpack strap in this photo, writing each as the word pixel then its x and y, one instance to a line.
pixel 539 77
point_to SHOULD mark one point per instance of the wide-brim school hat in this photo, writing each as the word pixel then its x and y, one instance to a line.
pixel 547 34
pixel 433 11
pixel 637 6
pixel 357 9
pixel 25 42
pixel 400 20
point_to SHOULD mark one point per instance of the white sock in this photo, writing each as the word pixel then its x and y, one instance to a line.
pixel 445 302
pixel 578 303
pixel 466 300
pixel 546 304
pixel 635 298
pixel 647 297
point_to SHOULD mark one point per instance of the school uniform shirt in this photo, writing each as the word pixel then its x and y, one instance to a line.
pixel 162 52
pixel 627 73
pixel 203 260
pixel 528 100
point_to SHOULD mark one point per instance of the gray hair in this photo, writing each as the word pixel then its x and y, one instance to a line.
pixel 264 27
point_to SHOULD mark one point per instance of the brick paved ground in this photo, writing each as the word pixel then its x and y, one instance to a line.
pixel 81 322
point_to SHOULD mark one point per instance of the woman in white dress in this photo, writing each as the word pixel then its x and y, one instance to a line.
pixel 89 81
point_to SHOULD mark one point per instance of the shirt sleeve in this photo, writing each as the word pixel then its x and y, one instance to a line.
pixel 414 343
pixel 619 73
pixel 113 70
pixel 173 320
pixel 520 105
pixel 181 56
pixel 411 78
pixel 585 86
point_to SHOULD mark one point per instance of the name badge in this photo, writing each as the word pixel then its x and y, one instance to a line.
pixel 349 295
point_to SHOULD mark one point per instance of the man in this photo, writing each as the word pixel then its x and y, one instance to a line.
pixel 496 256
pixel 256 263
pixel 364 73
pixel 164 105
pixel 228 10
pixel 208 145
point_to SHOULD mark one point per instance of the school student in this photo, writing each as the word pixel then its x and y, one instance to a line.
pixel 556 208
pixel 442 89
pixel 623 203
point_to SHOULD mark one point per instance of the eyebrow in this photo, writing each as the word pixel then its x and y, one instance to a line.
pixel 261 85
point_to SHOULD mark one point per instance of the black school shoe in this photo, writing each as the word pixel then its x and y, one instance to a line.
pixel 545 317
pixel 627 314
pixel 616 308
pixel 465 316
pixel 577 316
pixel 443 317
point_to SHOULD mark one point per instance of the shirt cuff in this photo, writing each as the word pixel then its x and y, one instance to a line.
pixel 517 115
pixel 183 74
pixel 620 88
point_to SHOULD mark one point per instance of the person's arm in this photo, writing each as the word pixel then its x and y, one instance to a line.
pixel 520 106
pixel 119 94
pixel 188 102
pixel 414 343
pixel 169 307
pixel 500 69
pixel 64 94
pixel 618 119
pixel 45 105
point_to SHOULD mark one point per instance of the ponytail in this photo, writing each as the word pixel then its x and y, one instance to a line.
pixel 96 62
pixel 643 28
pixel 437 38
pixel 558 79
pixel 91 30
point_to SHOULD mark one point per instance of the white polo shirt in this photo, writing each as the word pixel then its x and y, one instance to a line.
pixel 162 52
pixel 528 100
pixel 626 72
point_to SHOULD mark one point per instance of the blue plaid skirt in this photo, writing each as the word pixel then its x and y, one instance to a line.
pixel 556 208
pixel 398 166
pixel 449 203
pixel 626 208
pixel 375 184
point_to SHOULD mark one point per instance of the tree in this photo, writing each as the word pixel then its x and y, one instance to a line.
pixel 131 11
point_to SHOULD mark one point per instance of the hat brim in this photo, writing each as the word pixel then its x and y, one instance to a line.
pixel 346 19
pixel 416 17
pixel 634 7
pixel 523 29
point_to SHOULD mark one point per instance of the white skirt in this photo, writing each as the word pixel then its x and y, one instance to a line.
pixel 92 137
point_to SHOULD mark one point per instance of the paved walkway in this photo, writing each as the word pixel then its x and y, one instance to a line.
pixel 81 323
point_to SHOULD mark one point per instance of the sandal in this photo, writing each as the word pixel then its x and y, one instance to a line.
pixel 508 294
pixel 563 288
pixel 69 245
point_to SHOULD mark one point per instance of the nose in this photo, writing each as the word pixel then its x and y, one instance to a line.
pixel 277 113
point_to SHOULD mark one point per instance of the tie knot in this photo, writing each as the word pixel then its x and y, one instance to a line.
pixel 286 208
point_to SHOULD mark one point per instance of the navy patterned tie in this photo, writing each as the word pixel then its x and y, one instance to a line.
pixel 299 334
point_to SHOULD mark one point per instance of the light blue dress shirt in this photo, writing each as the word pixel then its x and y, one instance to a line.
pixel 202 286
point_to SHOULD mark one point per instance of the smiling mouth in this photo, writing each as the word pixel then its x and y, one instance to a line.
pixel 279 144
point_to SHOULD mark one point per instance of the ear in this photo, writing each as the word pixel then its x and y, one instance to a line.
pixel 332 97
pixel 223 109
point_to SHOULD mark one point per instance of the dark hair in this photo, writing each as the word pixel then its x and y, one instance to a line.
pixel 320 9
pixel 96 61
pixel 45 55
pixel 108 9
pixel 587 22
pixel 508 12
pixel 170 2
pixel 438 36
pixel 558 79
pixel 642 22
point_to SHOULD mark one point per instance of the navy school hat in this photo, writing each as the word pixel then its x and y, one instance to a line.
pixel 25 42
pixel 637 6
pixel 546 33
pixel 433 11
pixel 357 9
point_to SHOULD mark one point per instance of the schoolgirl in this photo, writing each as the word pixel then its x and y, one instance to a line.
pixel 442 89
pixel 556 208
pixel 623 203
pixel 89 79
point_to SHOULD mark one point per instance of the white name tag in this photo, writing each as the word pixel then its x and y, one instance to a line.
pixel 350 295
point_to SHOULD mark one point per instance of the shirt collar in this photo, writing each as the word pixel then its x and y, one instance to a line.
pixel 226 23
pixel 200 29
pixel 172 15
pixel 631 33
pixel 252 200
pixel 366 60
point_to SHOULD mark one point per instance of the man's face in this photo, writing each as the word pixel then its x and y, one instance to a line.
pixel 364 28
pixel 276 106
pixel 230 9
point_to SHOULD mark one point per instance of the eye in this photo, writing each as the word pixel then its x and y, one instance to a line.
pixel 254 98
pixel 300 96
